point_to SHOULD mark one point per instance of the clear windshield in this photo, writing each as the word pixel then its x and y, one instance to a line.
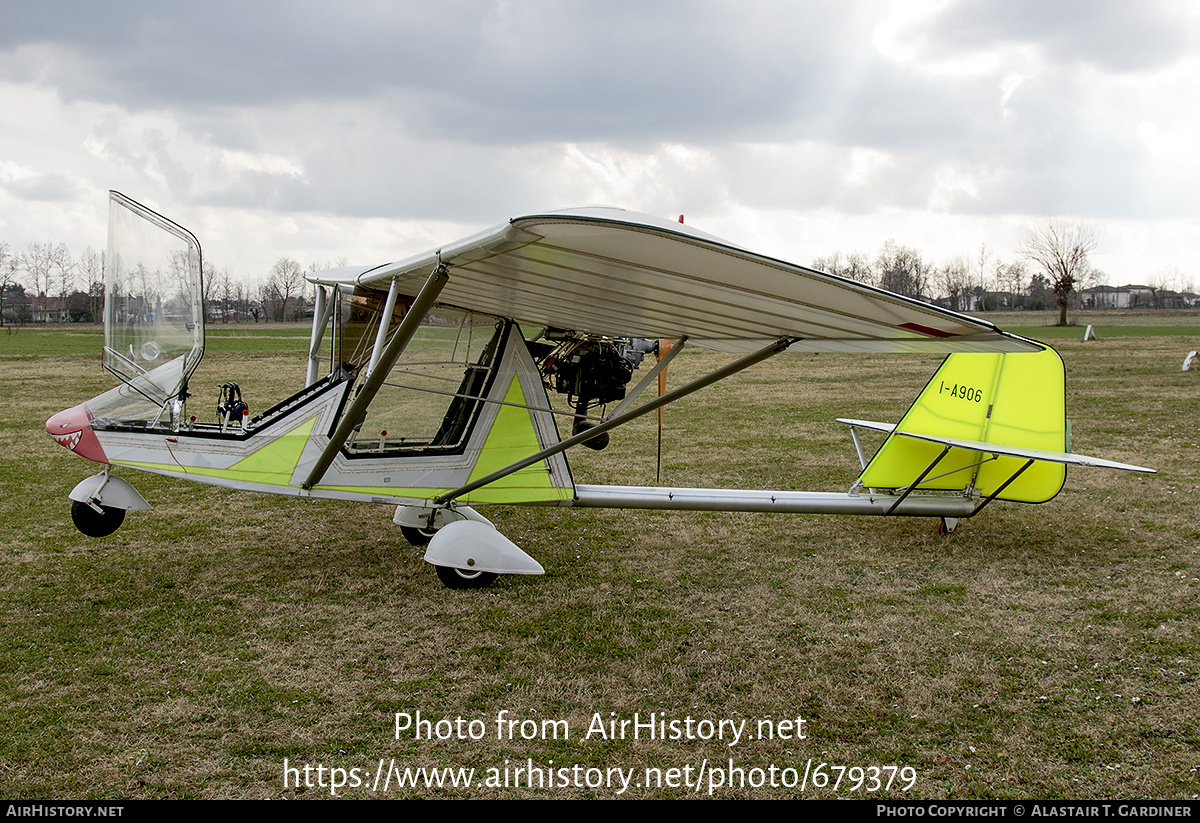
pixel 153 308
pixel 128 403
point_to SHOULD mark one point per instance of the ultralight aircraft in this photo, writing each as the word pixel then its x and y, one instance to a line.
pixel 434 395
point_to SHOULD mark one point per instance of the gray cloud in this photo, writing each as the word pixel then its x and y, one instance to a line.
pixel 1112 35
pixel 469 110
pixel 487 72
pixel 55 187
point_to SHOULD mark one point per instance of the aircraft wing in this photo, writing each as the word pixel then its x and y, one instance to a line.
pixel 611 272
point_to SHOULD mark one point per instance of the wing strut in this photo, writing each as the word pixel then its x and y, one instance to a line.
pixel 321 311
pixel 385 320
pixel 370 387
pixel 619 420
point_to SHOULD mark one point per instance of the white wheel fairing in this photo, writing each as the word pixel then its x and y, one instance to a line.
pixel 478 547
pixel 109 491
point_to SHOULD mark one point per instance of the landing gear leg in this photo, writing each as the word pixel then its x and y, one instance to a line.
pixel 947 525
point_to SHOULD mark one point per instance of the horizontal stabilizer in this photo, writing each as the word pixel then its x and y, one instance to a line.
pixel 994 448
pixel 1065 458
pixel 872 425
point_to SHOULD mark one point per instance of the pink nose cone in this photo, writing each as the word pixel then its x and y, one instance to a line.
pixel 72 429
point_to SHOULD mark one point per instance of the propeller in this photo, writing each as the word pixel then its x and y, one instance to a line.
pixel 664 347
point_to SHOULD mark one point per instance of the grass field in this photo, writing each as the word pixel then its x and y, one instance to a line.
pixel 1040 651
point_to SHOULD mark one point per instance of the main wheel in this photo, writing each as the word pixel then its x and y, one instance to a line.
pixel 453 578
pixel 94 523
pixel 417 536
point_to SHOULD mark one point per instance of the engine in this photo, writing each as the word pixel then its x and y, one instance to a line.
pixel 590 371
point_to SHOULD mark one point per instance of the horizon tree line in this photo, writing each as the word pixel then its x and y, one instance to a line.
pixel 1052 264
pixel 31 279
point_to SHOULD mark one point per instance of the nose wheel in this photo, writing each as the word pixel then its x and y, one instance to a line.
pixel 96 523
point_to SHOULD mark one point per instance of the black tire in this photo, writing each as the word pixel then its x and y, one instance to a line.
pixel 453 578
pixel 94 523
pixel 597 443
pixel 417 536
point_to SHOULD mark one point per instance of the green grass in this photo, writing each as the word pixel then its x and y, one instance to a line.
pixel 1046 651
pixel 1105 324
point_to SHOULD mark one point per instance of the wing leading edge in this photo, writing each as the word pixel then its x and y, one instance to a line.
pixel 611 272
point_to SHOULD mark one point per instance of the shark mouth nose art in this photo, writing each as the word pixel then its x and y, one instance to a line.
pixel 72 429
pixel 69 441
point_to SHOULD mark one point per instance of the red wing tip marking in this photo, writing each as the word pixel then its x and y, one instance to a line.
pixel 932 332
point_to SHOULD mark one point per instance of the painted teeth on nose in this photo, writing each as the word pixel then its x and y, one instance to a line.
pixel 69 441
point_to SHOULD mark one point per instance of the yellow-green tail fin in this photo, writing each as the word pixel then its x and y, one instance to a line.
pixel 1010 399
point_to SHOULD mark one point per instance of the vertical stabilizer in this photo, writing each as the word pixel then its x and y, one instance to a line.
pixel 1009 399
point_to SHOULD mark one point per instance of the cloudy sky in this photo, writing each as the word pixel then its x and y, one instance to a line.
pixel 374 130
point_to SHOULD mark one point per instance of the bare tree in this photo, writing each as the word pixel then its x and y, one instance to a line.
pixel 1168 277
pixel 1061 248
pixel 955 280
pixel 901 270
pixel 91 267
pixel 64 265
pixel 332 263
pixel 855 267
pixel 10 264
pixel 985 255
pixel 1010 277
pixel 285 283
pixel 241 301
pixel 217 292
pixel 38 261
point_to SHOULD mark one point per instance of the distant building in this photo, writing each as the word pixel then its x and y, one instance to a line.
pixel 45 309
pixel 1134 296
